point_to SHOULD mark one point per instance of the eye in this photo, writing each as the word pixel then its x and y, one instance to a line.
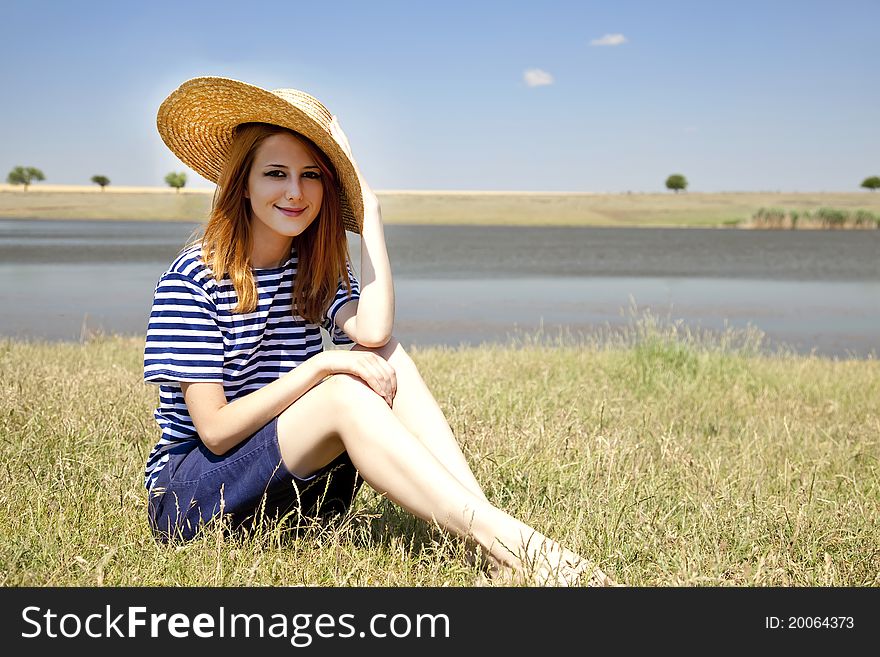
pixel 312 174
pixel 275 173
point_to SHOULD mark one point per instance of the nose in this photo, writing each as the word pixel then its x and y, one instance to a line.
pixel 294 191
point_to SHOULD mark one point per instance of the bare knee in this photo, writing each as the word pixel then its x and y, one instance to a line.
pixel 348 391
pixel 359 411
pixel 334 399
pixel 392 351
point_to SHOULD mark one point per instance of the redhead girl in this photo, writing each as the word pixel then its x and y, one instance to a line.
pixel 257 420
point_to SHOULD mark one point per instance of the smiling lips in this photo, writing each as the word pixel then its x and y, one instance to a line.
pixel 291 212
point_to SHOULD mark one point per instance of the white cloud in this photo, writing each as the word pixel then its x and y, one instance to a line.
pixel 609 40
pixel 535 77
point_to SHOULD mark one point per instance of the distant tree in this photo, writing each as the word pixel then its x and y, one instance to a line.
pixel 103 181
pixel 871 183
pixel 24 176
pixel 176 180
pixel 676 182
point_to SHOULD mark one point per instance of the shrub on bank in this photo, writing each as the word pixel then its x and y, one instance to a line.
pixel 821 218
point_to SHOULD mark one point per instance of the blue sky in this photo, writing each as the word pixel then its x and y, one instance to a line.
pixel 557 96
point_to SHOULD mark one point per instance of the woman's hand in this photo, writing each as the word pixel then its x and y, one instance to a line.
pixel 371 368
pixel 370 199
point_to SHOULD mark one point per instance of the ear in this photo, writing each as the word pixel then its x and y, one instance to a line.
pixel 247 194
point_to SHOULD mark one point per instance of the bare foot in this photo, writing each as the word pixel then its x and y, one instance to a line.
pixel 544 563
pixel 572 570
pixel 597 578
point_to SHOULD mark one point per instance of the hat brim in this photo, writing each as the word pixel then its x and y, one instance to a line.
pixel 197 122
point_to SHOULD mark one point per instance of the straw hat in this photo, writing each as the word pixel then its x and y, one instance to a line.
pixel 197 122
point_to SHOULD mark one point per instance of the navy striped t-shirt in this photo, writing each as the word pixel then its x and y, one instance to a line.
pixel 193 335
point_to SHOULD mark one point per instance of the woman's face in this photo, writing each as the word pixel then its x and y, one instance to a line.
pixel 284 187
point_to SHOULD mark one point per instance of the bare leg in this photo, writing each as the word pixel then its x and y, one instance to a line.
pixel 416 408
pixel 342 413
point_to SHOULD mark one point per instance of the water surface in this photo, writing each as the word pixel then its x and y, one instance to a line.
pixel 812 290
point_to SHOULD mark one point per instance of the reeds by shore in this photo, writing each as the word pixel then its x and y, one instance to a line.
pixel 822 218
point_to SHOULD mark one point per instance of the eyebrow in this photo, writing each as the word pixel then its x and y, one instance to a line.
pixel 283 166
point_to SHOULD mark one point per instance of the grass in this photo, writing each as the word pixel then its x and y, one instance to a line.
pixel 671 458
pixel 823 218
pixel 460 208
pixel 686 210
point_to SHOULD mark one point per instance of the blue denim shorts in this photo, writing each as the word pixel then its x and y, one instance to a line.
pixel 247 484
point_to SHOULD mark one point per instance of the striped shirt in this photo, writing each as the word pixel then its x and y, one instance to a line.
pixel 194 335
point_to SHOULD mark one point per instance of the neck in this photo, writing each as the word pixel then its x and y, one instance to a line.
pixel 267 256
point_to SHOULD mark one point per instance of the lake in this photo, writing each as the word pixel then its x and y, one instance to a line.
pixel 813 291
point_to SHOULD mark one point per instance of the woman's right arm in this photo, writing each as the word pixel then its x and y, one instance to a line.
pixel 222 425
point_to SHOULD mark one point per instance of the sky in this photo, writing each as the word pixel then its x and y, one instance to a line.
pixel 614 96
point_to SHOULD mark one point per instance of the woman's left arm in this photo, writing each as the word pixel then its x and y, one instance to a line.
pixel 369 320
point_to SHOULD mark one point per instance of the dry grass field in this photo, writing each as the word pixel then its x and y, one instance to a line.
pixel 444 207
pixel 669 459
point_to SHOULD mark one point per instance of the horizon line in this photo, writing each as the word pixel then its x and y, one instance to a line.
pixel 93 188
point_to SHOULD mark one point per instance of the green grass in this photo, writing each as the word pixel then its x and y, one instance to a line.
pixel 670 458
pixel 538 209
pixel 821 218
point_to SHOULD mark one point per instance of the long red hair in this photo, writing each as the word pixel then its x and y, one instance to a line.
pixel 322 248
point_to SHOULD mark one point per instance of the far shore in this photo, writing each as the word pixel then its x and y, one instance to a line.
pixel 451 207
pixel 129 189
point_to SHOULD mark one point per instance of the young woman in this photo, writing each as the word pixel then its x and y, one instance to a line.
pixel 257 419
